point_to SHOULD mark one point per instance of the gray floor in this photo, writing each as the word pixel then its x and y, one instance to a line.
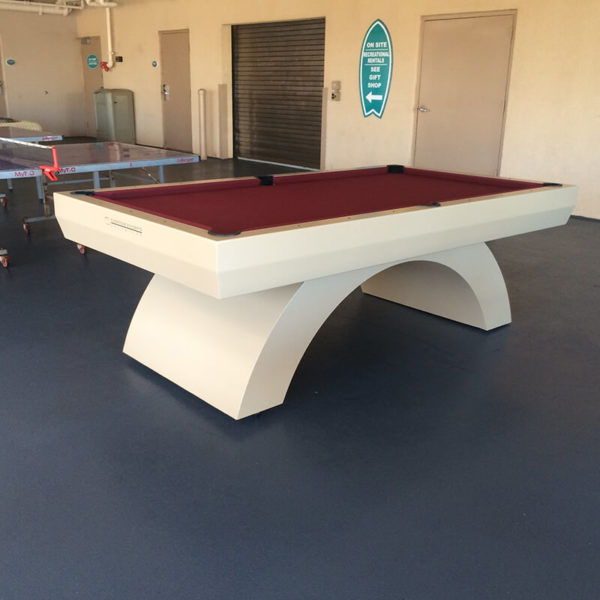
pixel 413 459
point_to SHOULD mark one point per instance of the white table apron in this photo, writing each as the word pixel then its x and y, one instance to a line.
pixel 239 354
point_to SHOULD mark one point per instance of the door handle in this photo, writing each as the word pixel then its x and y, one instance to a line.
pixel 422 108
pixel 1 87
pixel 164 90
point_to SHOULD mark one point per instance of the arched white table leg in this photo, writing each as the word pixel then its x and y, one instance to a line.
pixel 464 284
pixel 238 354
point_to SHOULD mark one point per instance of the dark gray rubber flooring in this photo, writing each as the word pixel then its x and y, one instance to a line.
pixel 413 458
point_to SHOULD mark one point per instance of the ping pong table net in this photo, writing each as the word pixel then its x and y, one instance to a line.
pixel 30 155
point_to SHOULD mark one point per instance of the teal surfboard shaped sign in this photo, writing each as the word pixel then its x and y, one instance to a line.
pixel 375 69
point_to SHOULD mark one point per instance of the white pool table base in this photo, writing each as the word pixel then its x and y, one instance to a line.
pixel 239 354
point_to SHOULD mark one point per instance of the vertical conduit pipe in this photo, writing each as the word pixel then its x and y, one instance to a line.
pixel 202 122
pixel 110 63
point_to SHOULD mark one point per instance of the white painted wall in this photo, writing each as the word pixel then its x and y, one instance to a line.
pixel 553 114
pixel 45 84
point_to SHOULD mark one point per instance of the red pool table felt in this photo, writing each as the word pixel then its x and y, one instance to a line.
pixel 229 207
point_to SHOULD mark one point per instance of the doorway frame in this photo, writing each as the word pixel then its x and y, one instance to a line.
pixel 89 107
pixel 226 108
pixel 160 33
pixel 466 15
pixel 3 80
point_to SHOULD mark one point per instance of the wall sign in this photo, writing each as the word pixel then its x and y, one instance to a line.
pixel 375 74
pixel 92 61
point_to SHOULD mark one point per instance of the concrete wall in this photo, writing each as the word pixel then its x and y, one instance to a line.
pixel 45 84
pixel 552 122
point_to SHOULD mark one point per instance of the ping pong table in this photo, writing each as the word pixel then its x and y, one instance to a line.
pixel 93 158
pixel 25 135
pixel 12 130
pixel 28 135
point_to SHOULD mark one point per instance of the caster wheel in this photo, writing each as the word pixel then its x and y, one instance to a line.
pixel 81 248
pixel 3 200
pixel 4 260
pixel 26 228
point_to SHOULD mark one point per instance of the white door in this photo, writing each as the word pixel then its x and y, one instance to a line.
pixel 92 79
pixel 465 66
pixel 176 90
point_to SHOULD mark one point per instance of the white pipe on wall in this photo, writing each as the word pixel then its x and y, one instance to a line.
pixel 110 63
pixel 202 115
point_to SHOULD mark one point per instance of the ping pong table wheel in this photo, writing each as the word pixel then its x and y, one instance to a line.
pixel 26 227
pixel 3 199
pixel 4 260
pixel 81 248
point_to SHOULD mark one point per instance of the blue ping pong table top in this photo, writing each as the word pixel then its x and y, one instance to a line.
pixel 27 135
pixel 95 157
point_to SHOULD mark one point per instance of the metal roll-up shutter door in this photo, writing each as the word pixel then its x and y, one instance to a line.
pixel 277 91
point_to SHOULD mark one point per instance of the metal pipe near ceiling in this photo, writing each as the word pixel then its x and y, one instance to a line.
pixel 101 3
pixel 59 7
pixel 41 8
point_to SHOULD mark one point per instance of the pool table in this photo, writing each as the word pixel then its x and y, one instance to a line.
pixel 247 270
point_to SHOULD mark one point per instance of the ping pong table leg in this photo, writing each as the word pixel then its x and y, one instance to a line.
pixel 96 177
pixel 4 258
pixel 39 184
pixel 9 183
pixel 161 173
pixel 46 201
